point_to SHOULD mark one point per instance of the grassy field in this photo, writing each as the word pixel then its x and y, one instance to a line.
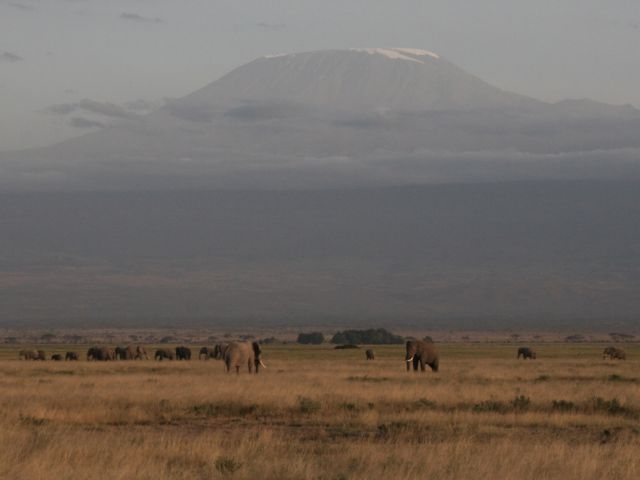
pixel 319 413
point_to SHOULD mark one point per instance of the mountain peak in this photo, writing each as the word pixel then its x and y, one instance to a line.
pixel 411 54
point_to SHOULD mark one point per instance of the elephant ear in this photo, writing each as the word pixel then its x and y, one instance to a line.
pixel 256 348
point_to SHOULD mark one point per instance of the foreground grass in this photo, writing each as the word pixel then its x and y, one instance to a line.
pixel 326 414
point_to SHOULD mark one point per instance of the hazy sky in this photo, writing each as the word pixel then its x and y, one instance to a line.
pixel 133 54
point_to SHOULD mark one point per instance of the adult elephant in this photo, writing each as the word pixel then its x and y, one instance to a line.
pixel 614 353
pixel 28 354
pixel 183 353
pixel 125 353
pixel 56 357
pixel 165 354
pixel 526 352
pixel 220 350
pixel 141 353
pixel 72 356
pixel 238 354
pixel 207 352
pixel 102 354
pixel 422 353
pixel 370 354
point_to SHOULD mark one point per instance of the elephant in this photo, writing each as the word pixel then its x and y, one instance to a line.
pixel 183 353
pixel 101 354
pixel 614 353
pixel 526 352
pixel 29 355
pixel 141 353
pixel 56 357
pixel 208 353
pixel 165 353
pixel 71 356
pixel 125 353
pixel 41 355
pixel 238 354
pixel 219 350
pixel 422 353
pixel 370 354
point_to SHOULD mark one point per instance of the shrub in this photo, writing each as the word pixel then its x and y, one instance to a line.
pixel 313 338
pixel 521 403
pixel 378 336
pixel 227 465
pixel 308 405
pixel 563 405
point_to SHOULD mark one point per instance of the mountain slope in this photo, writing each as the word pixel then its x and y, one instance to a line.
pixel 340 118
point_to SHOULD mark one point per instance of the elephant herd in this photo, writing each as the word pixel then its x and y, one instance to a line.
pixel 237 355
pixel 612 353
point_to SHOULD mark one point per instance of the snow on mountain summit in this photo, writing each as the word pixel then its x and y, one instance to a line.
pixel 399 53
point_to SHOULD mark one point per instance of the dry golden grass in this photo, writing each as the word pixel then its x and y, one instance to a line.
pixel 319 413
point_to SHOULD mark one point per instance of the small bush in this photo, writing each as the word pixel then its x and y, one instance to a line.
pixel 521 403
pixel 227 465
pixel 308 405
pixel 542 378
pixel 612 407
pixel 345 347
pixel 490 406
pixel 563 405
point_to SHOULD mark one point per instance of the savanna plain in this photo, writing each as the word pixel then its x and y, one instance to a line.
pixel 320 413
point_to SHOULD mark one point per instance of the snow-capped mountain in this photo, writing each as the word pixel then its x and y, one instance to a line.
pixel 370 116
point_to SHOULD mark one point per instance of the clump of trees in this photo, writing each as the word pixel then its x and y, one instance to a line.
pixel 313 338
pixel 372 336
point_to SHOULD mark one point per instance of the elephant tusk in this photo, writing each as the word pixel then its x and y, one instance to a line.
pixel 410 360
pixel 262 364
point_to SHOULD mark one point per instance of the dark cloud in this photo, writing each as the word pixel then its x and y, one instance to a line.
pixel 134 17
pixel 263 111
pixel 141 105
pixel 62 109
pixel 192 112
pixel 82 122
pixel 10 57
pixel 105 109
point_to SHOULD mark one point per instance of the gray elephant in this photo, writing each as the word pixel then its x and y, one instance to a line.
pixel 165 354
pixel 239 354
pixel 71 356
pixel 526 352
pixel 28 355
pixel 614 353
pixel 140 353
pixel 56 357
pixel 219 350
pixel 206 353
pixel 102 354
pixel 422 353
pixel 183 353
pixel 370 354
pixel 125 353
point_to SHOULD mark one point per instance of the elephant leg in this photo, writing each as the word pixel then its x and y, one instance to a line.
pixel 237 369
pixel 422 365
pixel 416 360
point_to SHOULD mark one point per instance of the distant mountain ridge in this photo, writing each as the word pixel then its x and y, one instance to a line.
pixel 340 118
